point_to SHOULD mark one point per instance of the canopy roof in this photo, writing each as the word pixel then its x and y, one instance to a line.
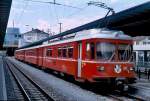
pixel 5 6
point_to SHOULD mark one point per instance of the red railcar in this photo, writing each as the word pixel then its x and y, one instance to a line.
pixel 40 57
pixel 99 56
pixel 20 55
pixel 31 55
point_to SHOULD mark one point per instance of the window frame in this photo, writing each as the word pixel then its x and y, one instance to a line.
pixel 68 52
pixel 65 48
pixel 49 54
pixel 59 49
pixel 89 54
pixel 109 42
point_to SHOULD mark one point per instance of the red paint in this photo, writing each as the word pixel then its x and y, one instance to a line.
pixel 69 66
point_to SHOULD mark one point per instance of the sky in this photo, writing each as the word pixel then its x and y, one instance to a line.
pixel 26 14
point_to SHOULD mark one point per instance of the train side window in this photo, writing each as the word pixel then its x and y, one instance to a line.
pixel 90 51
pixel 64 52
pixel 59 52
pixel 31 53
pixel 70 52
pixel 49 52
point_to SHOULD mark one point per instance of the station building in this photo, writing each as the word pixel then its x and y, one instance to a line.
pixel 141 49
pixel 32 36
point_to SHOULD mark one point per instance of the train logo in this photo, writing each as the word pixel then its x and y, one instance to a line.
pixel 117 68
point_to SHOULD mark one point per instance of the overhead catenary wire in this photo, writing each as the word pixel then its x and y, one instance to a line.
pixel 55 10
pixel 56 14
pixel 72 14
pixel 22 12
pixel 77 12
pixel 59 4
pixel 103 5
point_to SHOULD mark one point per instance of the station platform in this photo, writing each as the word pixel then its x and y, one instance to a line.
pixel 3 93
pixel 143 83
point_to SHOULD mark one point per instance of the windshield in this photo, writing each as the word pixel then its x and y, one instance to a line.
pixel 105 50
pixel 124 52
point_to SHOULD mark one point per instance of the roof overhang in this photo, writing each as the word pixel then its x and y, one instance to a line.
pixel 5 6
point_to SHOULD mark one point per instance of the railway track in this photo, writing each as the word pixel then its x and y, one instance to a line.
pixel 116 98
pixel 30 90
pixel 134 97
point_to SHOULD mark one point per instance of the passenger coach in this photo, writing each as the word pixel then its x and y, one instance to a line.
pixel 92 55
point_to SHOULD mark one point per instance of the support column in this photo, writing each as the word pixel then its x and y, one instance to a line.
pixel 145 59
pixel 145 56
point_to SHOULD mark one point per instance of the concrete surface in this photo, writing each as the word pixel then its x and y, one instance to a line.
pixel 3 94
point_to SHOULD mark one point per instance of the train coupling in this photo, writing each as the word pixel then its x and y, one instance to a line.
pixel 121 84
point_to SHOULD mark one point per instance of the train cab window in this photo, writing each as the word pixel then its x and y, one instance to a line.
pixel 124 52
pixel 70 52
pixel 105 51
pixel 59 52
pixel 90 51
pixel 64 52
pixel 49 52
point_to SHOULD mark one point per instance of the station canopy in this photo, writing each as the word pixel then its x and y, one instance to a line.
pixel 5 6
pixel 134 21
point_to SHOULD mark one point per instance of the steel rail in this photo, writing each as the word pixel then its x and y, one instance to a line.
pixel 33 82
pixel 115 97
pixel 134 97
pixel 25 95
pixel 138 98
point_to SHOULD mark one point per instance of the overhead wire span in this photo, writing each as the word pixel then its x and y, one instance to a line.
pixel 74 13
pixel 103 5
pixel 54 3
pixel 59 4
pixel 77 12
pixel 22 13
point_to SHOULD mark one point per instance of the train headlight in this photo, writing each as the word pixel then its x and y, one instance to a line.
pixel 131 68
pixel 102 68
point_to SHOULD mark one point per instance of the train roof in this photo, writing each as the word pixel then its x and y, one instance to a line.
pixel 84 35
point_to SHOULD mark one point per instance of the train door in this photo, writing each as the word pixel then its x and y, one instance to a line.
pixel 37 55
pixel 40 56
pixel 79 59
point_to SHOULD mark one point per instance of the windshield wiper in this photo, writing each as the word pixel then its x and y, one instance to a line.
pixel 125 52
pixel 112 56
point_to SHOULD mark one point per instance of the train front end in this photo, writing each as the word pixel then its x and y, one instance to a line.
pixel 110 60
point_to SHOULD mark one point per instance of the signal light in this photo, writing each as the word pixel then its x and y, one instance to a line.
pixel 102 68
